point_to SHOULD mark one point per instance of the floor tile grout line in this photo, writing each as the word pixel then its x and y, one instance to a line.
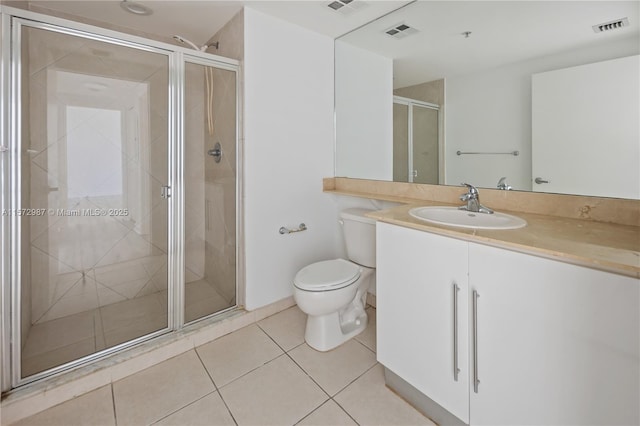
pixel 312 411
pixel 356 339
pixel 205 369
pixel 345 411
pixel 248 372
pixel 183 407
pixel 59 298
pixel 308 375
pixel 294 361
pixel 352 381
pixel 271 338
pixel 215 385
pixel 113 404
pixel 296 347
pixel 314 381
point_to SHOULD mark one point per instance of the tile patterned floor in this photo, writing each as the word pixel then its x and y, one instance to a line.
pixel 263 374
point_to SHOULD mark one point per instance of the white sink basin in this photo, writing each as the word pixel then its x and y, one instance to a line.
pixel 452 216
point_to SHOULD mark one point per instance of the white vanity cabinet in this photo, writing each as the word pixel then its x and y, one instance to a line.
pixel 556 343
pixel 553 343
pixel 420 278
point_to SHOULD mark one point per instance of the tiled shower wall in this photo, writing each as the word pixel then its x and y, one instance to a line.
pixel 220 178
pixel 60 257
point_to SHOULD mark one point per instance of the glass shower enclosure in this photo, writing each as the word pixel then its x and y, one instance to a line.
pixel 417 150
pixel 119 175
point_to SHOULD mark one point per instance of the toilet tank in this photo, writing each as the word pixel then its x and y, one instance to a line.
pixel 359 236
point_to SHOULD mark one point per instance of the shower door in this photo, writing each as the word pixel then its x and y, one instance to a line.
pixel 416 141
pixel 89 208
pixel 119 192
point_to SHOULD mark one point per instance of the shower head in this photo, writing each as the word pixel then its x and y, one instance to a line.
pixel 191 44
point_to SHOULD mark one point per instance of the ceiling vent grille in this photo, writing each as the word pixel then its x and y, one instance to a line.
pixel 346 7
pixel 612 25
pixel 399 31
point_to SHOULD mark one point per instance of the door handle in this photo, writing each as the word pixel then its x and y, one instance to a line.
pixel 476 380
pixel 456 370
pixel 539 180
pixel 165 191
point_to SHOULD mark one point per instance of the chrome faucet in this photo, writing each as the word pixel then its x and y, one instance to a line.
pixel 502 184
pixel 473 201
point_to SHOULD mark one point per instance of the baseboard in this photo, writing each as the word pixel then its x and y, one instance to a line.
pixel 420 401
pixel 371 299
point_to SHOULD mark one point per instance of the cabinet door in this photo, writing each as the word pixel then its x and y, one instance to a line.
pixel 416 275
pixel 557 343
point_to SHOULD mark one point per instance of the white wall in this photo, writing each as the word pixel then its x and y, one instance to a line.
pixel 491 111
pixel 288 149
pixel 364 101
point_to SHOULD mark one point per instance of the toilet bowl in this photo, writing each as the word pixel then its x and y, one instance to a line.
pixel 333 292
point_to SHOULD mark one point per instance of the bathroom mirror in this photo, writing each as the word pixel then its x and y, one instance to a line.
pixel 545 94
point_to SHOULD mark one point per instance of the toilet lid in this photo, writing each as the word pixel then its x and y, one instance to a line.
pixel 327 275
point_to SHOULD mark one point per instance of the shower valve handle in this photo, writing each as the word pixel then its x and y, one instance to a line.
pixel 216 152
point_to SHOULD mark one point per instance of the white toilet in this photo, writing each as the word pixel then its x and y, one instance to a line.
pixel 333 293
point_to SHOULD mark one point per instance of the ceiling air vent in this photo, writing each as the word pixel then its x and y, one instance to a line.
pixel 612 25
pixel 400 31
pixel 346 7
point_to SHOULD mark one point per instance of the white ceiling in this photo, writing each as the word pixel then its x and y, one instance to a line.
pixel 199 20
pixel 503 32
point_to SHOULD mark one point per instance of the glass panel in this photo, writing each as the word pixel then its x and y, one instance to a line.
pixel 210 190
pixel 94 159
pixel 400 143
pixel 425 145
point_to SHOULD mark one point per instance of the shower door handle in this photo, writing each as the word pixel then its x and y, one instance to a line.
pixel 165 191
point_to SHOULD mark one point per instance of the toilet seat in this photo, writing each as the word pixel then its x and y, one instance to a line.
pixel 327 275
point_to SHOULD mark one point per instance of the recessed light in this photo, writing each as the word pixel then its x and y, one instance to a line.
pixel 135 8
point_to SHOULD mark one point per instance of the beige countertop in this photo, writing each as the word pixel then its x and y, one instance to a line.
pixel 605 246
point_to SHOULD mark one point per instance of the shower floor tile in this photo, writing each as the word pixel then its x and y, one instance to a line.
pixel 273 380
pixel 61 340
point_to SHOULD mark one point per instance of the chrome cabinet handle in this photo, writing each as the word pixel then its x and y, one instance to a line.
pixel 456 370
pixel 476 380
pixel 539 180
